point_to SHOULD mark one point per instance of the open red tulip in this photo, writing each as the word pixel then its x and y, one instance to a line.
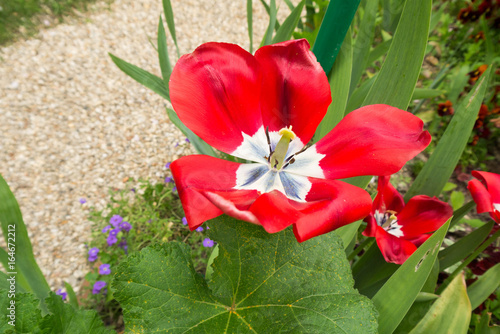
pixel 486 193
pixel 265 108
pixel 398 228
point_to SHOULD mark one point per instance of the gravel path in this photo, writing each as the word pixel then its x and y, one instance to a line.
pixel 72 125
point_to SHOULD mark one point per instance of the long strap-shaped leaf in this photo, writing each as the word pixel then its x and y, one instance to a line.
pixel 286 29
pixel 331 34
pixel 169 15
pixel 443 161
pixel 25 265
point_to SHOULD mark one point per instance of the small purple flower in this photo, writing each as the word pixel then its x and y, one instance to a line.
pixel 168 179
pixel 114 232
pixel 106 229
pixel 167 165
pixel 149 221
pixel 82 200
pixel 174 189
pixel 116 220
pixel 207 242
pixel 125 226
pixel 104 269
pixel 132 190
pixel 111 240
pixel 176 144
pixel 62 294
pixel 184 221
pixel 199 229
pixel 187 140
pixel 98 286
pixel 93 254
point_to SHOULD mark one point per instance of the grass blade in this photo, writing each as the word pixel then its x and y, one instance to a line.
pixel 285 31
pixel 438 169
pixel 250 23
pixel 143 77
pixel 71 295
pixel 165 65
pixel 268 37
pixel 485 285
pixel 169 16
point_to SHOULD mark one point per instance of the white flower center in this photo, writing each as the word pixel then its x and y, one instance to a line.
pixel 389 222
pixel 291 179
pixel 496 206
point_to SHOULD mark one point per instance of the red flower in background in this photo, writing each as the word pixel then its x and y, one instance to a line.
pixel 398 228
pixel 445 108
pixel 486 193
pixel 265 109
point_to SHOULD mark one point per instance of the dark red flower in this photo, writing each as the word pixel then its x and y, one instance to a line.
pixel 445 108
pixel 486 193
pixel 398 228
pixel 474 75
pixel 265 109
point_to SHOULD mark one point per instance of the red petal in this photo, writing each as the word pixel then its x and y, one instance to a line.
pixel 205 188
pixel 295 88
pixel 423 214
pixel 371 228
pixel 394 249
pixel 388 198
pixel 481 196
pixel 492 183
pixel 373 140
pixel 215 91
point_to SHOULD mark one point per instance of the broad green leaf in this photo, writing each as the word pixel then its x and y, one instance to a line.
pixel 457 199
pixel 143 77
pixel 458 81
pixel 29 276
pixel 380 50
pixel 438 169
pixel 391 14
pixel 348 232
pixel 285 31
pixel 425 93
pixel 450 313
pixel 73 300
pixel 416 312
pixel 169 16
pixel 358 96
pixel 396 80
pixel 64 318
pixel 250 23
pixel 449 186
pixel 268 36
pixel 463 247
pixel 261 283
pixel 363 42
pixel 268 10
pixel 25 310
pixel 485 285
pixel 198 143
pixel 397 295
pixel 460 213
pixel 425 296
pixel 339 79
pixel 332 32
pixel 164 60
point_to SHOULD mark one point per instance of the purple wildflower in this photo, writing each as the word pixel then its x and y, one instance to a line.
pixel 174 189
pixel 106 229
pixel 132 190
pixel 82 200
pixel 62 294
pixel 187 140
pixel 207 242
pixel 116 220
pixel 98 286
pixel 114 232
pixel 199 229
pixel 167 165
pixel 125 226
pixel 168 179
pixel 111 240
pixel 104 269
pixel 93 254
pixel 184 221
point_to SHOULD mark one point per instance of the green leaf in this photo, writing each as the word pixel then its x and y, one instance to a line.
pixel 450 313
pixel 363 42
pixel 396 80
pixel 165 66
pixel 198 143
pixel 66 319
pixel 169 16
pixel 457 199
pixel 348 232
pixel 261 283
pixel 268 37
pixel 210 269
pixel 73 300
pixel 397 295
pixel 250 23
pixel 29 275
pixel 285 31
pixel 359 95
pixel 438 169
pixel 463 247
pixel 391 14
pixel 332 32
pixel 449 186
pixel 461 212
pixel 339 79
pixel 458 82
pixel 143 77
pixel 485 285
pixel 380 50
pixel 26 314
pixel 425 93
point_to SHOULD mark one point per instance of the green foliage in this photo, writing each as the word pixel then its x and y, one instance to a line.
pixel 261 283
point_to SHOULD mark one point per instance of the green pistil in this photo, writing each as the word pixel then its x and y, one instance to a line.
pixel 279 154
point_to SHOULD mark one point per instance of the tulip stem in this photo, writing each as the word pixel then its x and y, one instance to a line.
pixel 367 242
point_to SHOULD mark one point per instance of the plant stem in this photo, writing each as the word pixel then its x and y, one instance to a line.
pixel 363 245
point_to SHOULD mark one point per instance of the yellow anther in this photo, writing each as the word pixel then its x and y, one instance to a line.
pixel 287 133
